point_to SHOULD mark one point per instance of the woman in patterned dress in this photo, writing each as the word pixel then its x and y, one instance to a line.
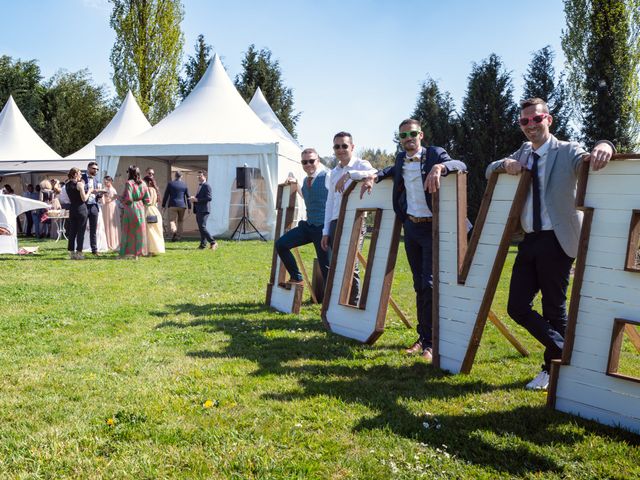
pixel 134 199
pixel 155 238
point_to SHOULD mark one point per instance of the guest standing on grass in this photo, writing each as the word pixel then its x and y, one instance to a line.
pixel 134 199
pixel 78 196
pixel 111 214
pixel 176 197
pixel 201 209
pixel 416 175
pixel 552 228
pixel 155 238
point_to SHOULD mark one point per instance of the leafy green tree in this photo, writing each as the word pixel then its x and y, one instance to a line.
pixel 75 111
pixel 22 80
pixel 378 158
pixel 195 67
pixel 259 70
pixel 488 124
pixel 602 46
pixel 146 54
pixel 540 82
pixel 436 112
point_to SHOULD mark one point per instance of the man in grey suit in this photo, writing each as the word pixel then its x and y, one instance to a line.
pixel 552 228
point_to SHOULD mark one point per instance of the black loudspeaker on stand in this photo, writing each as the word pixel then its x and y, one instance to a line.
pixel 244 176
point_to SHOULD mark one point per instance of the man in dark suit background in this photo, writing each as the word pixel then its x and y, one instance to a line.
pixel 201 209
pixel 90 180
pixel 176 197
pixel 416 175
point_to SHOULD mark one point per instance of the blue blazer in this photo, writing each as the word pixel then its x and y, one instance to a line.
pixel 428 158
pixel 176 195
pixel 204 197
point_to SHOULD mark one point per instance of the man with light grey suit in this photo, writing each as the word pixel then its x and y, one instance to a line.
pixel 552 228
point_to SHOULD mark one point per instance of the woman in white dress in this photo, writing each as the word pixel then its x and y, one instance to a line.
pixel 155 238
pixel 111 214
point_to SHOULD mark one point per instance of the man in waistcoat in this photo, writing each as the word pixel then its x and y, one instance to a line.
pixel 314 192
pixel 93 208
pixel 416 175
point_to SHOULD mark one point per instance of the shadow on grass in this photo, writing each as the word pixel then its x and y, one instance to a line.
pixel 328 365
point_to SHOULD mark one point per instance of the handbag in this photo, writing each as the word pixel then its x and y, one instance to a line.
pixel 152 219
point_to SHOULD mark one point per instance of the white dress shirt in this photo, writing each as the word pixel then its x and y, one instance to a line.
pixel 414 187
pixel 526 218
pixel 357 169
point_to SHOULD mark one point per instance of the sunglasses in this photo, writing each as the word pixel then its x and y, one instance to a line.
pixel 412 134
pixel 524 121
pixel 310 161
pixel 344 146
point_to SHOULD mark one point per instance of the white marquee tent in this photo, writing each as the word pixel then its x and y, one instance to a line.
pixel 128 122
pixel 264 111
pixel 215 129
pixel 21 149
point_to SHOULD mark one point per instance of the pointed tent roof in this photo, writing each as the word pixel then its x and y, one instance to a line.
pixel 214 112
pixel 18 141
pixel 264 111
pixel 128 122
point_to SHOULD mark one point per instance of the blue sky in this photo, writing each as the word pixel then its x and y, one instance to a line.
pixel 353 65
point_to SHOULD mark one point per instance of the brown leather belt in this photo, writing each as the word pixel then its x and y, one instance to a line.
pixel 419 219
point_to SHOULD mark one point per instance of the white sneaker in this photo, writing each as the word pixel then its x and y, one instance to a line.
pixel 541 382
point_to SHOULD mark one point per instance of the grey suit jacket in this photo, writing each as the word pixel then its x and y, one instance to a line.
pixel 560 177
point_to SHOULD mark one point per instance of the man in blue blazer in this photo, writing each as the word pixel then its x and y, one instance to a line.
pixel 201 209
pixel 552 228
pixel 416 175
pixel 176 197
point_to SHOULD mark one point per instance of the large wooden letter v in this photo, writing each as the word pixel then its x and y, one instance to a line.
pixel 465 277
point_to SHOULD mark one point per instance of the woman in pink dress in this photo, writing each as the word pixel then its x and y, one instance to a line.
pixel 111 214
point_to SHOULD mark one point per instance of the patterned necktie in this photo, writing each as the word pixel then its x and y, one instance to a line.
pixel 309 181
pixel 535 184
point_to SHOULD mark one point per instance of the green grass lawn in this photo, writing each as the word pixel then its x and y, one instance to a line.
pixel 172 367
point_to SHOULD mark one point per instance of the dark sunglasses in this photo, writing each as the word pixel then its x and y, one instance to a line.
pixel 524 121
pixel 412 134
pixel 344 146
pixel 310 161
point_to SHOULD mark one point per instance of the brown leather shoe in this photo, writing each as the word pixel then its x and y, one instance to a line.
pixel 415 348
pixel 427 354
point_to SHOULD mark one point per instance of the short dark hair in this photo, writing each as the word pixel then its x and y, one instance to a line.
pixel 91 164
pixel 108 178
pixel 343 134
pixel 410 121
pixel 202 172
pixel 529 102
pixel 133 173
pixel 309 150
pixel 177 174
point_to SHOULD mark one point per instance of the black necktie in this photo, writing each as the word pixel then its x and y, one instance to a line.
pixel 535 183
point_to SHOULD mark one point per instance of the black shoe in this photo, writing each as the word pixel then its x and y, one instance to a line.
pixel 202 247
pixel 174 238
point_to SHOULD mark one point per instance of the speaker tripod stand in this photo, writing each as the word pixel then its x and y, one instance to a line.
pixel 241 229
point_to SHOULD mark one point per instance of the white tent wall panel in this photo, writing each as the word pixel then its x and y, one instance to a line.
pixel 455 327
